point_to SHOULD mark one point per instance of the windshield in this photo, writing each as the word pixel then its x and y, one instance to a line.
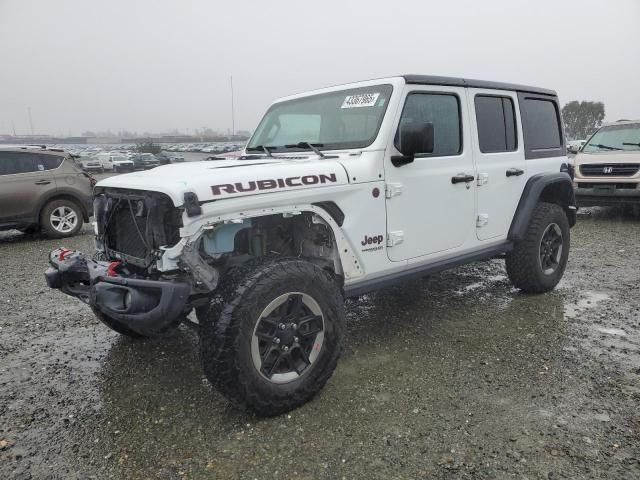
pixel 615 138
pixel 330 121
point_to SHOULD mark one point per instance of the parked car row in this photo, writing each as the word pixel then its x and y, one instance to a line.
pixel 125 161
pixel 204 147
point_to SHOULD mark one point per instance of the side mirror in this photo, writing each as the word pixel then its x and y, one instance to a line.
pixel 415 138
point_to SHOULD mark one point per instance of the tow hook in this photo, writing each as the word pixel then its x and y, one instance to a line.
pixel 111 269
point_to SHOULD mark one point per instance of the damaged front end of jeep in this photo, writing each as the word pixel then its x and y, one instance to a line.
pixel 121 280
pixel 146 276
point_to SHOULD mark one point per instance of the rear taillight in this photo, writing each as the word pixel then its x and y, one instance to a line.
pixel 92 180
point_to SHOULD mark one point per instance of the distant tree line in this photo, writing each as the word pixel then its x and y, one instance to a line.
pixel 582 118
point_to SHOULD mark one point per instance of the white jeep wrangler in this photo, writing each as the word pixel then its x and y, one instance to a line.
pixel 339 192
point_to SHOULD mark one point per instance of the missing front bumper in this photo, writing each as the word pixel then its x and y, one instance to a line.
pixel 145 306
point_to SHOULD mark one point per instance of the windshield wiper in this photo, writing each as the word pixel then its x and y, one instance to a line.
pixel 261 148
pixel 604 147
pixel 632 144
pixel 308 146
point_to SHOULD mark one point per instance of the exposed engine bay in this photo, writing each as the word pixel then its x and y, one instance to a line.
pixel 136 227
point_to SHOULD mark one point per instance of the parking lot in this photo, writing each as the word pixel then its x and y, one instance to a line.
pixel 454 376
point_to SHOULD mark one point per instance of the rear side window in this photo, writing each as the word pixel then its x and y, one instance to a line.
pixel 441 109
pixel 47 162
pixel 16 162
pixel 541 126
pixel 496 124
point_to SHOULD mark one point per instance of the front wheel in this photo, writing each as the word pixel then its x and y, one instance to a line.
pixel 275 341
pixel 537 262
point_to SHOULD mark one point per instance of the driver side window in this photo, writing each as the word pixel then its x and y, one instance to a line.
pixel 440 109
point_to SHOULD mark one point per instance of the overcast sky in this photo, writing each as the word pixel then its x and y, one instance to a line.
pixel 158 65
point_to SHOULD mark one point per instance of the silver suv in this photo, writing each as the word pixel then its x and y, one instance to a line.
pixel 44 189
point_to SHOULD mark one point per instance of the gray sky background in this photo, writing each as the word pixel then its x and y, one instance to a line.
pixel 157 65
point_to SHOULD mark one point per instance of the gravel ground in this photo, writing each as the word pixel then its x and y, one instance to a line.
pixel 457 376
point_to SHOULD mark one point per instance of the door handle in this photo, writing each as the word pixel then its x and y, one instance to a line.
pixel 514 172
pixel 43 182
pixel 462 177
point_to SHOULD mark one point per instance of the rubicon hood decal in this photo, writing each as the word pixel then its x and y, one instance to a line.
pixel 232 178
pixel 271 183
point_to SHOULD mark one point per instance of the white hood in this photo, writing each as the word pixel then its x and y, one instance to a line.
pixel 219 179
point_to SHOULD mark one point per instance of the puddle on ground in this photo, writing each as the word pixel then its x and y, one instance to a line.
pixel 589 300
pixel 484 283
pixel 612 331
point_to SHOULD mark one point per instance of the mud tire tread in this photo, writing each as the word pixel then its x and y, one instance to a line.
pixel 522 263
pixel 229 321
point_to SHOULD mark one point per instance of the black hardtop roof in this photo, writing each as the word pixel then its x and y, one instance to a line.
pixel 467 82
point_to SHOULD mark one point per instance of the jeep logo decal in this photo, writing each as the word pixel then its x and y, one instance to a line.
pixel 373 243
pixel 269 183
pixel 369 240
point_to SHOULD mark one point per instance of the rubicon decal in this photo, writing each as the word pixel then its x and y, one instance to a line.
pixel 273 183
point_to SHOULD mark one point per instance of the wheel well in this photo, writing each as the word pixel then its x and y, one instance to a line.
pixel 552 188
pixel 303 234
pixel 558 192
pixel 64 196
pixel 561 193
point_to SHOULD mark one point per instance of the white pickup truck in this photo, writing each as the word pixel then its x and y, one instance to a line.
pixel 339 192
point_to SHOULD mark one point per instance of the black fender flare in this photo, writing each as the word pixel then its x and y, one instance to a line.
pixel 548 187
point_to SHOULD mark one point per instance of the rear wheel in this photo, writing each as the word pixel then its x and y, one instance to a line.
pixel 275 340
pixel 537 263
pixel 61 218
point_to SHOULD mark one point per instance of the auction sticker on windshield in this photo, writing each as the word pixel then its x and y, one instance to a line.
pixel 360 100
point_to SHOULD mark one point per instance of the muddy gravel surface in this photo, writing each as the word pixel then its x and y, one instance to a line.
pixel 457 376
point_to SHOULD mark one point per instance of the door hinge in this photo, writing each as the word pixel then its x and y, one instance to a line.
pixel 482 220
pixel 395 238
pixel 483 179
pixel 392 190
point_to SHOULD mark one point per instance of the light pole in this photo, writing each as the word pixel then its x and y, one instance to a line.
pixel 233 115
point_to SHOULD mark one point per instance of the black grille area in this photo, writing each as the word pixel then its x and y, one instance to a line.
pixel 132 226
pixel 123 235
pixel 609 170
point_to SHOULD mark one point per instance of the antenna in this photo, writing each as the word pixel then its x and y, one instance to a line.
pixel 30 120
pixel 233 114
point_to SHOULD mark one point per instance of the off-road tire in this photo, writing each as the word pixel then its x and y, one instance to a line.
pixel 227 328
pixel 523 262
pixel 45 218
